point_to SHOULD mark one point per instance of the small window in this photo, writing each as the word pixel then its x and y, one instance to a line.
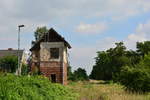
pixel 54 52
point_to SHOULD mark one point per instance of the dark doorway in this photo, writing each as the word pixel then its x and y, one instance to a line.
pixel 53 78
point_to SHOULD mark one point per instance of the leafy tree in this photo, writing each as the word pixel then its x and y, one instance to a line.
pixel 130 68
pixel 119 50
pixel 80 74
pixel 40 31
pixel 133 56
pixel 102 69
pixel 146 61
pixel 143 47
pixel 109 63
pixel 9 63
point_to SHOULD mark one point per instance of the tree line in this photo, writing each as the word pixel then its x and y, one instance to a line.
pixel 128 67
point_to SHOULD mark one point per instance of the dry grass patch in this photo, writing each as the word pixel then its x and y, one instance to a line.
pixel 100 90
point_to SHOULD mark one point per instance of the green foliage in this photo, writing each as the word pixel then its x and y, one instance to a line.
pixel 146 61
pixel 133 56
pixel 130 68
pixel 32 88
pixel 70 73
pixel 143 48
pixel 137 78
pixel 9 64
pixel 24 69
pixel 102 69
pixel 80 75
pixel 110 62
pixel 40 31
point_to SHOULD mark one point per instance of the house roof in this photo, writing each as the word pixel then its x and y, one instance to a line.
pixel 50 36
pixel 11 52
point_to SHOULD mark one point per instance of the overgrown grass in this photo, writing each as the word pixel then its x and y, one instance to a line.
pixel 32 88
pixel 39 88
pixel 100 90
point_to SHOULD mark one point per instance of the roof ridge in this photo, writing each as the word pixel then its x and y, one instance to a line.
pixel 47 34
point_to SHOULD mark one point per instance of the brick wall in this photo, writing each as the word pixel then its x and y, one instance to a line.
pixel 48 68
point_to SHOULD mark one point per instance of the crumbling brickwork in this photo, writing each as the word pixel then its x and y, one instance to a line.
pixel 48 68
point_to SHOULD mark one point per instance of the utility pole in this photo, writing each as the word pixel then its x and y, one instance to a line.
pixel 19 69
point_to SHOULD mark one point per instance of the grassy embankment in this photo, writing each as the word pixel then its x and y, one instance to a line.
pixel 32 88
pixel 100 90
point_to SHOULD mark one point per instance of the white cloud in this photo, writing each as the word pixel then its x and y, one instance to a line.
pixel 142 33
pixel 50 12
pixel 91 28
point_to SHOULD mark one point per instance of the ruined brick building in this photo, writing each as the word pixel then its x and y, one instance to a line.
pixel 49 55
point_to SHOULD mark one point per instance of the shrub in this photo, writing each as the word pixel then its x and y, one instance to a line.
pixel 32 88
pixel 137 78
pixel 9 64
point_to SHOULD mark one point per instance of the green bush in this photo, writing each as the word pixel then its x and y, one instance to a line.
pixel 137 78
pixel 32 88
pixel 9 64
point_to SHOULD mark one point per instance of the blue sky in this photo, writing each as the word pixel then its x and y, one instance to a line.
pixel 88 25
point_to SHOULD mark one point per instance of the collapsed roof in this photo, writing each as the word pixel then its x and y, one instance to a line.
pixel 50 36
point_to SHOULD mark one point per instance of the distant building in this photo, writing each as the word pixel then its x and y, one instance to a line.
pixel 49 55
pixel 12 52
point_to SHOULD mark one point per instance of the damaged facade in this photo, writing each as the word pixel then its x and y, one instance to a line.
pixel 49 55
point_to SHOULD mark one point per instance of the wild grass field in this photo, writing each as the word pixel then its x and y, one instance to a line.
pixel 101 90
